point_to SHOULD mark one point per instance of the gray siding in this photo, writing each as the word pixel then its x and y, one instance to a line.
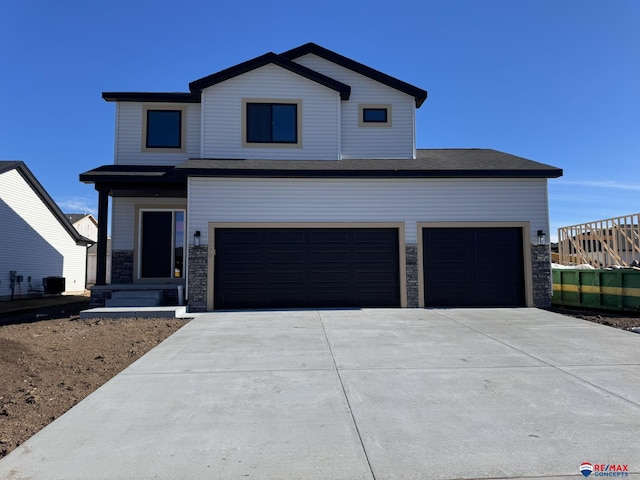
pixel 345 200
pixel 222 113
pixel 128 145
pixel 398 141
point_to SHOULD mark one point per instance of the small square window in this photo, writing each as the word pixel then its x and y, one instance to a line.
pixel 271 123
pixel 374 115
pixel 164 129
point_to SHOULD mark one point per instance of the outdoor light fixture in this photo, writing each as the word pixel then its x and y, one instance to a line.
pixel 542 237
pixel 196 238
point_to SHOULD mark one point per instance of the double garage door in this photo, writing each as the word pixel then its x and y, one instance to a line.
pixel 261 268
pixel 306 268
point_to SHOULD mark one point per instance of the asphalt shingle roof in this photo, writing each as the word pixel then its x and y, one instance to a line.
pixel 428 163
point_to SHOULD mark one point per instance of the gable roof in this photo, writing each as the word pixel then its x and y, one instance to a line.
pixel 284 60
pixel 429 163
pixel 266 59
pixel 76 217
pixel 39 190
pixel 311 48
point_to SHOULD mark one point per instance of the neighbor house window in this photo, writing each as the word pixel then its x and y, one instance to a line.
pixel 162 241
pixel 374 115
pixel 163 129
pixel 271 123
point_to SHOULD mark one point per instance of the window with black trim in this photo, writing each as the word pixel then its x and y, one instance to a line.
pixel 374 115
pixel 271 123
pixel 164 129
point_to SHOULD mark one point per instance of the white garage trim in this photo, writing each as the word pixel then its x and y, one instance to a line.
pixel 526 251
pixel 399 226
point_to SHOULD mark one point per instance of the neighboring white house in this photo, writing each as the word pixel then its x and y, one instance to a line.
pixel 85 224
pixel 36 240
pixel 293 180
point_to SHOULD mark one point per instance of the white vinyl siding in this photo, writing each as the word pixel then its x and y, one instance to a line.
pixel 129 141
pixel 397 141
pixel 33 241
pixel 222 116
pixel 87 228
pixel 367 200
pixel 123 223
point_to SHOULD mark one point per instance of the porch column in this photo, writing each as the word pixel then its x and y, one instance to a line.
pixel 103 220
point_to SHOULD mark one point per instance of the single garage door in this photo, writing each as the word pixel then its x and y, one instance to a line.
pixel 306 268
pixel 473 267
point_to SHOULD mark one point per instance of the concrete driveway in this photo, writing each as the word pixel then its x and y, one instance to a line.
pixel 358 394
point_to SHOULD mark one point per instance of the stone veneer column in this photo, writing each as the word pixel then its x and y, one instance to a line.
pixel 198 271
pixel 411 251
pixel 541 273
pixel 121 266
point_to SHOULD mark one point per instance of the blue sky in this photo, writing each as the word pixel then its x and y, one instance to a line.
pixel 556 81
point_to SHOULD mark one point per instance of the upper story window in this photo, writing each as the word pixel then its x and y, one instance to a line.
pixel 374 115
pixel 163 129
pixel 271 123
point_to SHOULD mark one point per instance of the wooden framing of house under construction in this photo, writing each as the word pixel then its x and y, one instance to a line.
pixel 602 243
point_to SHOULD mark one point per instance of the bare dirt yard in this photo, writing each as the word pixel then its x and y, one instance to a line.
pixel 50 359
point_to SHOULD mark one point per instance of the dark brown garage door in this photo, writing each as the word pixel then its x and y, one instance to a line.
pixel 306 268
pixel 473 267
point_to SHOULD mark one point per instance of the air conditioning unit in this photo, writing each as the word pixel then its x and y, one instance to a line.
pixel 53 285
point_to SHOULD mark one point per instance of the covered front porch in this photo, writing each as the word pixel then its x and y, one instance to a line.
pixel 157 237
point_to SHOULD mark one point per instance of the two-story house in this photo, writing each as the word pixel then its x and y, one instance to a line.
pixel 293 180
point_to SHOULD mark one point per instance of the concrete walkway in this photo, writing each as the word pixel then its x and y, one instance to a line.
pixel 357 394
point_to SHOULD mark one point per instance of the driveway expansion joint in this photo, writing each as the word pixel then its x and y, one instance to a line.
pixel 346 397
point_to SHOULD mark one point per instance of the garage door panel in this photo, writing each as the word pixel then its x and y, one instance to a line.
pixel 374 277
pixel 281 238
pixel 289 256
pixel 368 257
pixel 330 276
pixel 325 256
pixel 320 237
pixel 239 238
pixel 372 237
pixel 333 267
pixel 374 298
pixel 291 277
pixel 476 267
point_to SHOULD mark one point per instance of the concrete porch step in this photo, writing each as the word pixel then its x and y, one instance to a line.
pixel 134 312
pixel 137 294
pixel 135 298
pixel 133 302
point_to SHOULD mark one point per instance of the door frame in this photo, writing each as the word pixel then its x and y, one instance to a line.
pixel 399 226
pixel 137 241
pixel 526 252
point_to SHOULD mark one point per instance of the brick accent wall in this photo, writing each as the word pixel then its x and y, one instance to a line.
pixel 411 251
pixel 99 297
pixel 198 267
pixel 122 266
pixel 541 270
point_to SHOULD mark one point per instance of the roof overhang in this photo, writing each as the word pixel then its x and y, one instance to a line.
pixel 152 97
pixel 137 181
